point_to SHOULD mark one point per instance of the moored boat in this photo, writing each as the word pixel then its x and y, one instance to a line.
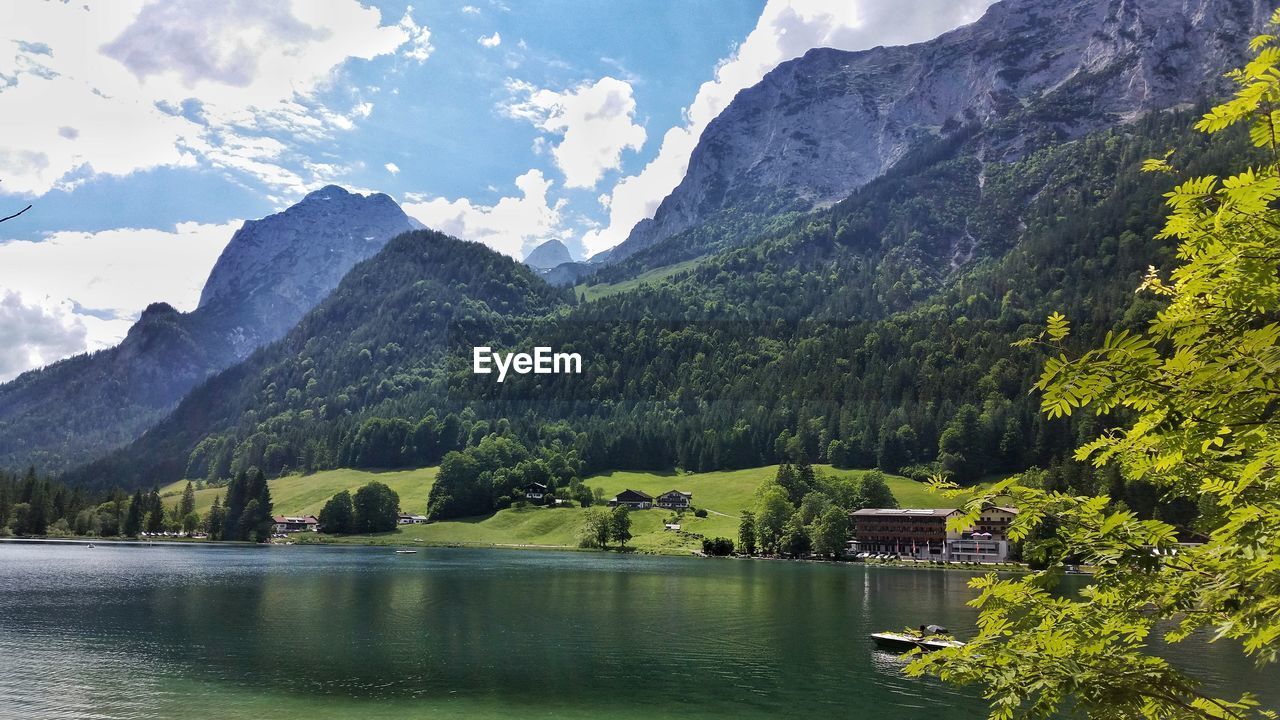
pixel 928 637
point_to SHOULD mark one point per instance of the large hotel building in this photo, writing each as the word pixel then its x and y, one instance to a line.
pixel 921 534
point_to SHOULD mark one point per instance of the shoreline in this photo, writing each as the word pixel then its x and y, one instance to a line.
pixel 434 545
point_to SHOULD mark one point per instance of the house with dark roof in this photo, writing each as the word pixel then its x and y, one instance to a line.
pixel 633 499
pixel 674 500
pixel 535 491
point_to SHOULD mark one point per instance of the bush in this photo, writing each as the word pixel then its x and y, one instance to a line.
pixel 376 508
pixel 701 512
pixel 719 547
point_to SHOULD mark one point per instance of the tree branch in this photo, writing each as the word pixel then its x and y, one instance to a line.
pixel 16 214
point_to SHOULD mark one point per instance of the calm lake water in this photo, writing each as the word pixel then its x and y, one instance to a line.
pixel 219 632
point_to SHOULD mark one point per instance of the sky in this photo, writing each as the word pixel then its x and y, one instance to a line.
pixel 144 132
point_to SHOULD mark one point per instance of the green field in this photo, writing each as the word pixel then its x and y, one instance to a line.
pixel 595 292
pixel 723 494
pixel 306 494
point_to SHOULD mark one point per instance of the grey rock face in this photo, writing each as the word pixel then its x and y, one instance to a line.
pixel 548 255
pixel 276 269
pixel 818 127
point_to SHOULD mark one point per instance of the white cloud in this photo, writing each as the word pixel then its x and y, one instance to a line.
pixel 93 285
pixel 471 9
pixel 490 41
pixel 507 226
pixel 110 89
pixel 35 334
pixel 392 168
pixel 419 37
pixel 786 30
pixel 596 122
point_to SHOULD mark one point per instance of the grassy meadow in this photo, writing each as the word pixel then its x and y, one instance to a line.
pixel 306 494
pixel 651 277
pixel 723 494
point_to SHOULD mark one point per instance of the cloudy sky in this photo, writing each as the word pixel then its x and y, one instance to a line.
pixel 145 131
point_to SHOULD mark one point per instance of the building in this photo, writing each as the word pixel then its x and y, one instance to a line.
pixel 407 519
pixel 633 499
pixel 922 534
pixel 294 523
pixel 988 541
pixel 535 491
pixel 674 500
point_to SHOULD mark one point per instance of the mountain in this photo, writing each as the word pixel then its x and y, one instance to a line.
pixel 873 331
pixel 382 334
pixel 548 255
pixel 276 269
pixel 818 127
pixel 827 340
pixel 272 271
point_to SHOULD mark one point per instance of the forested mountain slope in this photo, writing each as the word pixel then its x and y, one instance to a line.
pixel 829 340
pixel 873 332
pixel 381 335
pixel 271 272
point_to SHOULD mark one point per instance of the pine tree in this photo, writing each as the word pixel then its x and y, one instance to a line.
pixel 259 519
pixel 234 507
pixel 155 512
pixel 188 504
pixel 215 523
pixel 134 517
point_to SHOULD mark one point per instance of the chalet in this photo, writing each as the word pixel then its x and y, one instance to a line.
pixel 633 499
pixel 674 500
pixel 407 519
pixel 535 491
pixel 294 523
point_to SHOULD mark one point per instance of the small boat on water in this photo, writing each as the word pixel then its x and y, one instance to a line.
pixel 406 552
pixel 928 637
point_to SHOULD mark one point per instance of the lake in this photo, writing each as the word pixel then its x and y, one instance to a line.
pixel 122 631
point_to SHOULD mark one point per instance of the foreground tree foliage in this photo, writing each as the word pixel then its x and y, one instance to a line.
pixel 1198 391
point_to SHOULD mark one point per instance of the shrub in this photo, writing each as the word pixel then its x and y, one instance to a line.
pixel 719 547
pixel 700 512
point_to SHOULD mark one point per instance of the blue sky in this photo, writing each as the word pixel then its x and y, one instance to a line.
pixel 145 131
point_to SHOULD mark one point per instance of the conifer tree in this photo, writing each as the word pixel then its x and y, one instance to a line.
pixel 188 504
pixel 134 516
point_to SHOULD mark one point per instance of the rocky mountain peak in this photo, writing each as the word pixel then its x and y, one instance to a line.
pixel 275 269
pixel 548 255
pixel 820 126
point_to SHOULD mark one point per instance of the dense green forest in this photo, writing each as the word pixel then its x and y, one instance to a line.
pixel 32 505
pixel 876 333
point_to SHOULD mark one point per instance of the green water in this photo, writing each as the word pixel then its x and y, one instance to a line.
pixel 218 632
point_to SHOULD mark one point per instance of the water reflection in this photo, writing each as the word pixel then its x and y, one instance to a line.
pixel 121 632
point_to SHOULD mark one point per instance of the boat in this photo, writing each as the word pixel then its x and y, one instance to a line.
pixel 406 552
pixel 928 637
